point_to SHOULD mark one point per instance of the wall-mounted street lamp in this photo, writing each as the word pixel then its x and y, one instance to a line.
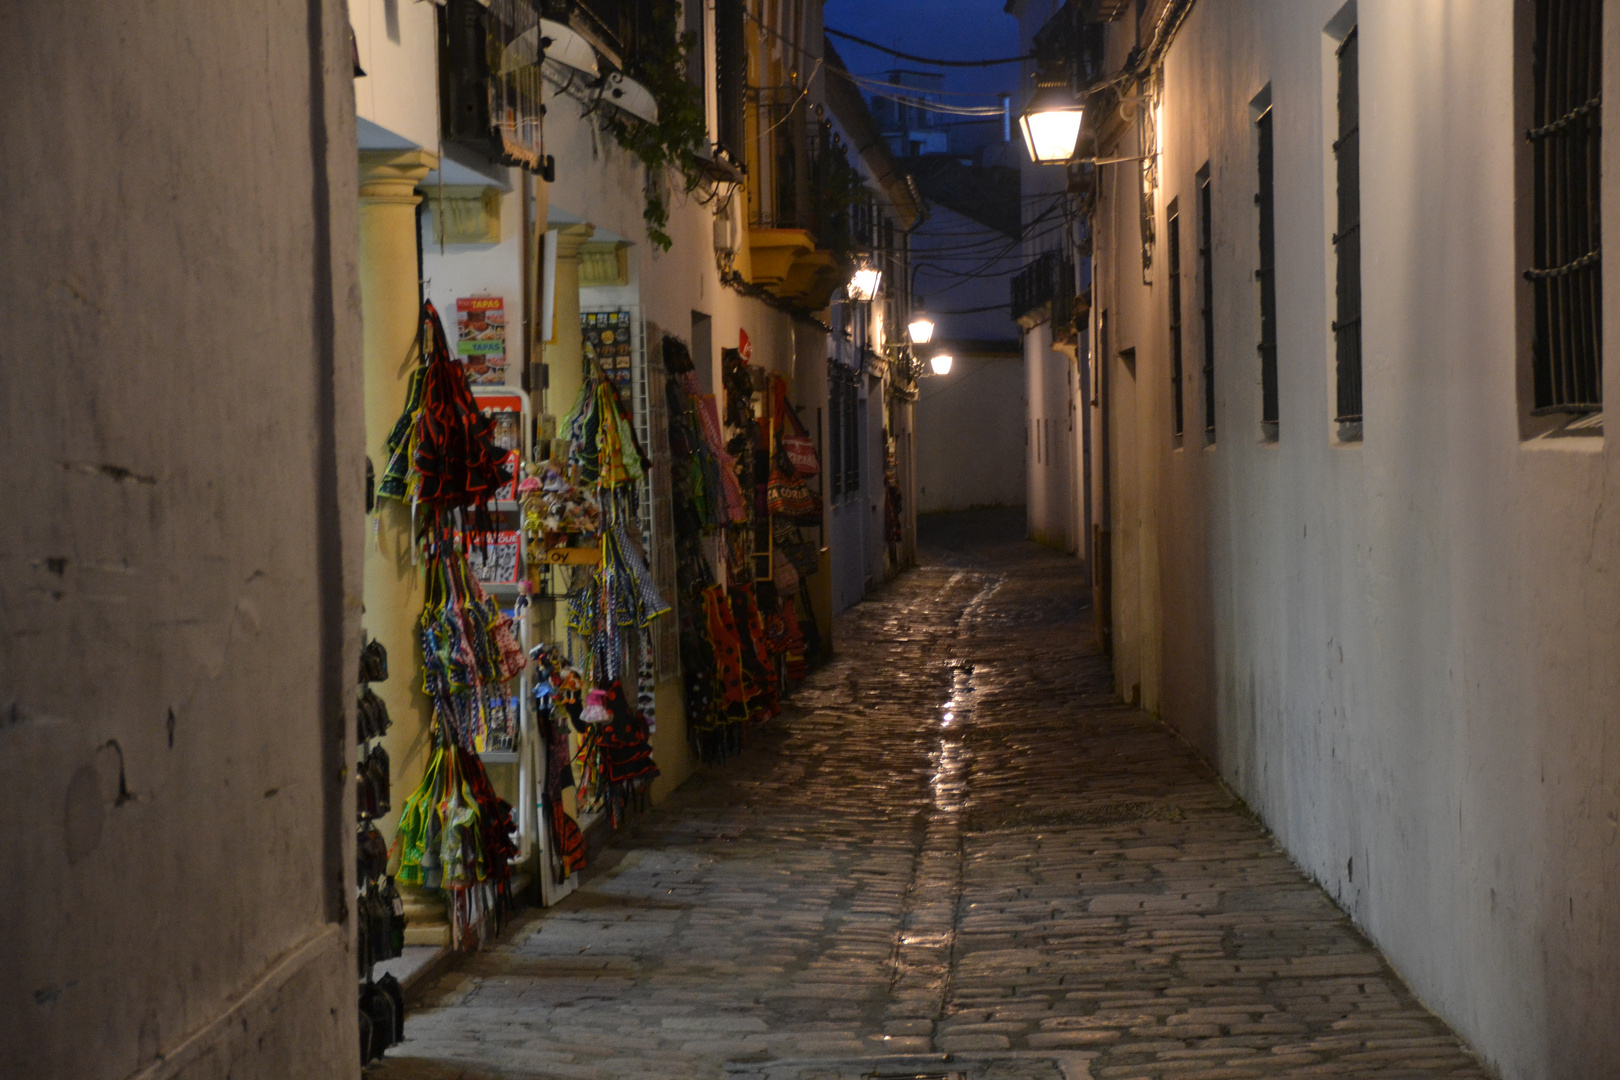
pixel 1051 125
pixel 941 363
pixel 922 327
pixel 864 285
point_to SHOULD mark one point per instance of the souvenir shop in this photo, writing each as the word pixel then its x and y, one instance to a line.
pixel 545 564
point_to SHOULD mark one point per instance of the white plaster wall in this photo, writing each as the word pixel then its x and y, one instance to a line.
pixel 970 422
pixel 1052 426
pixel 179 393
pixel 456 271
pixel 1412 639
pixel 398 45
pixel 970 436
pixel 1049 442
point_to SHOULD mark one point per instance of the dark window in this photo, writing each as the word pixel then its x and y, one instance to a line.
pixel 494 112
pixel 852 437
pixel 1566 275
pixel 835 432
pixel 696 63
pixel 1173 240
pixel 1206 294
pixel 1266 199
pixel 1347 239
pixel 843 434
pixel 731 75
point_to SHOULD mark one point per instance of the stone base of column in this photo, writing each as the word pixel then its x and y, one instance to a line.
pixel 427 919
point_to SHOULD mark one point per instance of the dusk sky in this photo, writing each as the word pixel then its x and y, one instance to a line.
pixel 951 29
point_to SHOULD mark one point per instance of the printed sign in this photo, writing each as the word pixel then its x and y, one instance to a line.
pixel 496 562
pixel 569 556
pixel 608 339
pixel 481 338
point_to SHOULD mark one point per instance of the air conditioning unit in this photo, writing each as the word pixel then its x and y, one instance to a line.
pixel 728 226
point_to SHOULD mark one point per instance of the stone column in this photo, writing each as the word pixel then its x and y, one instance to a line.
pixel 565 356
pixel 393 591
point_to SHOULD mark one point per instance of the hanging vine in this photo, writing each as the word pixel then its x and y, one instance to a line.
pixel 660 65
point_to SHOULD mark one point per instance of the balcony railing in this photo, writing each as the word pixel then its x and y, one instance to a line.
pixel 609 25
pixel 809 184
pixel 1045 290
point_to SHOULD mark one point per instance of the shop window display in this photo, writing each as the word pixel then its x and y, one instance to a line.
pixel 455 834
pixel 593 691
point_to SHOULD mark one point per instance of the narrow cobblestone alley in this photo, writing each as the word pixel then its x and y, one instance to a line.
pixel 956 852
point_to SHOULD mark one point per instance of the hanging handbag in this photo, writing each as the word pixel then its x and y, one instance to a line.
pixel 789 498
pixel 801 452
pixel 796 442
pixel 783 573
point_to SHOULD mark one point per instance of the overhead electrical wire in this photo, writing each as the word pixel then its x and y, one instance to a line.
pixel 980 273
pixel 971 311
pixel 895 92
pixel 989 112
pixel 984 247
pixel 960 252
pixel 935 61
pixel 882 80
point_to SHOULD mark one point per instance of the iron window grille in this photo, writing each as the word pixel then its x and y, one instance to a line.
pixel 1566 276
pixel 731 77
pixel 1206 306
pixel 843 435
pixel 490 88
pixel 1266 200
pixel 1347 239
pixel 606 24
pixel 1173 243
pixel 807 182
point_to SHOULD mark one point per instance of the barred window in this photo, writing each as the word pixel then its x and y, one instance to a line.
pixel 843 432
pixel 1566 274
pixel 1173 241
pixel 1206 294
pixel 1266 199
pixel 731 75
pixel 1347 237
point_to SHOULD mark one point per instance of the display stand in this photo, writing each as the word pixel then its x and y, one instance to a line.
pixel 505 401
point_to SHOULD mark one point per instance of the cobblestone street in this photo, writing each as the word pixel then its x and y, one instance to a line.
pixel 956 852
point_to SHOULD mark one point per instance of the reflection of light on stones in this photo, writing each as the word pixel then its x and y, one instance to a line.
pixel 949 782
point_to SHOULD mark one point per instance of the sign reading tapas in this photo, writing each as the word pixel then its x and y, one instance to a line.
pixel 481 338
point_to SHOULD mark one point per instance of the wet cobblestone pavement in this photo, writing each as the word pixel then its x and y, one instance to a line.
pixel 957 853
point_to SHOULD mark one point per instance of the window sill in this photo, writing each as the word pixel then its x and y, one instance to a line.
pixel 1579 433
